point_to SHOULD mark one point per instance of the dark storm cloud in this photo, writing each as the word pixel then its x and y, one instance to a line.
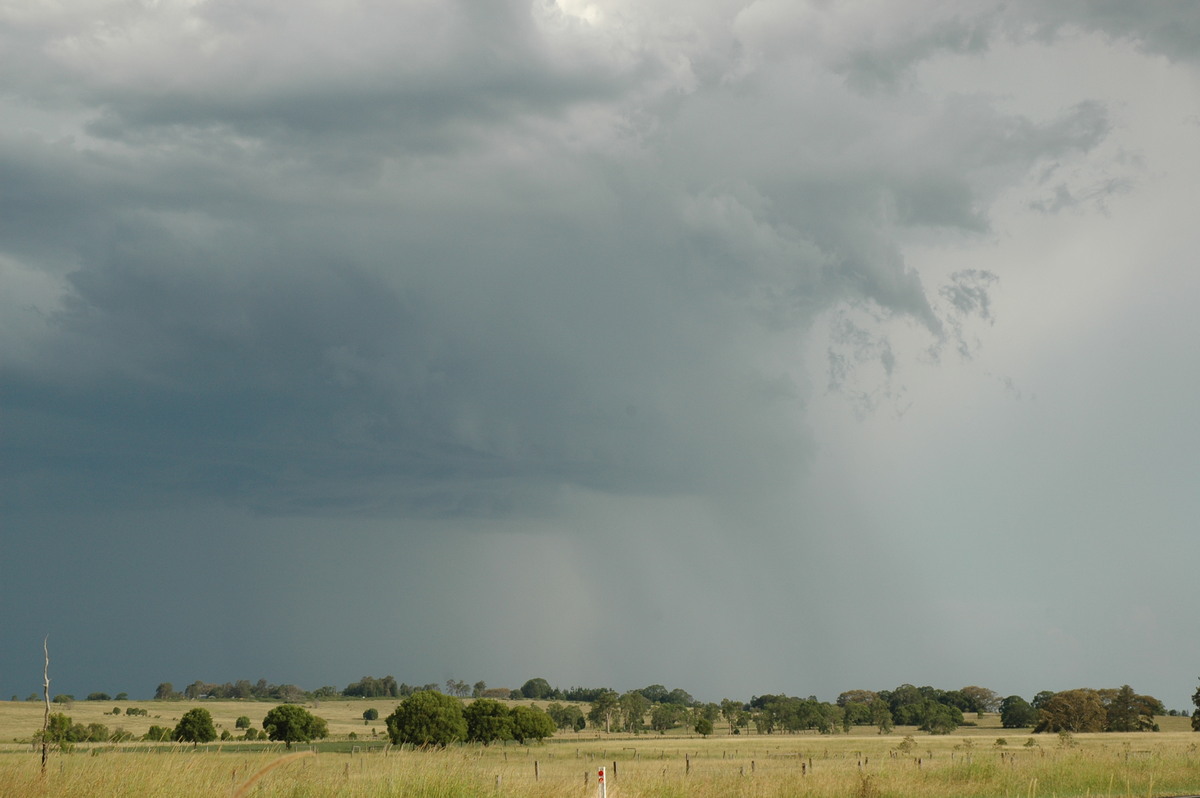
pixel 442 258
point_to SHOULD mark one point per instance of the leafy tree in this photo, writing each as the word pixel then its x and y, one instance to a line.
pixel 371 714
pixel 537 689
pixel 122 697
pixel 666 716
pixel 196 726
pixel 99 697
pixel 478 688
pixel 729 711
pixel 633 710
pixel 704 727
pixel 288 723
pixel 531 723
pixel 655 693
pixel 605 706
pixel 1072 711
pixel 679 696
pixel 566 717
pixel 158 734
pixel 427 717
pixel 881 716
pixel 856 714
pixel 1017 713
pixel 1196 711
pixel 243 722
pixel 938 718
pixel 370 687
pixel 981 699
pixel 856 697
pixel 57 731
pixel 1041 698
pixel 1128 711
pixel 488 721
pixel 165 691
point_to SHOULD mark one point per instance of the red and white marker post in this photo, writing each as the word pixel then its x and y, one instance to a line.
pixel 603 786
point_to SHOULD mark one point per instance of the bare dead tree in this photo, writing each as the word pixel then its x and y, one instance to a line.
pixel 46 694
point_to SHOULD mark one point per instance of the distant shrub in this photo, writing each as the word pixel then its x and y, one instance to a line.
pixel 99 697
pixel 243 722
pixel 371 714
pixel 158 734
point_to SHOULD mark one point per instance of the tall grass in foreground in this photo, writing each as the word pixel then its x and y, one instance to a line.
pixel 646 767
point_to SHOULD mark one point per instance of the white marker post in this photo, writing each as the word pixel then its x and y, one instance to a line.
pixel 603 786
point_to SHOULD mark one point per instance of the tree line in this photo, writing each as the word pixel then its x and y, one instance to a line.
pixel 658 708
pixel 286 723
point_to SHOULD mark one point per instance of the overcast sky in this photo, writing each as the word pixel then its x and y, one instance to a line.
pixel 744 347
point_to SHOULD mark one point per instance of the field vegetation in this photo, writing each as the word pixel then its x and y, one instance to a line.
pixel 357 759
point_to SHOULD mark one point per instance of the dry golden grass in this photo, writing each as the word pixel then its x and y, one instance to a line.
pixel 967 764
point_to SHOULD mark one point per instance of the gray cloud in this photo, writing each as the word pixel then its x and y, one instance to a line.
pixel 392 258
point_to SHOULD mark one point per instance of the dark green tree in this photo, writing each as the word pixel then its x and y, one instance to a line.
pixel 57 732
pixel 881 715
pixel 566 716
pixel 704 727
pixel 666 716
pixel 654 693
pixel 427 717
pixel 371 714
pixel 1017 713
pixel 488 721
pixel 289 723
pixel 938 718
pixel 633 711
pixel 605 706
pixel 531 723
pixel 1196 711
pixel 680 696
pixel 537 689
pixel 196 726
pixel 1128 711
pixel 243 722
pixel 165 691
pixel 157 734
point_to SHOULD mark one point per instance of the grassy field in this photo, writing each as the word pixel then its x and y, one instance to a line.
pixel 968 763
